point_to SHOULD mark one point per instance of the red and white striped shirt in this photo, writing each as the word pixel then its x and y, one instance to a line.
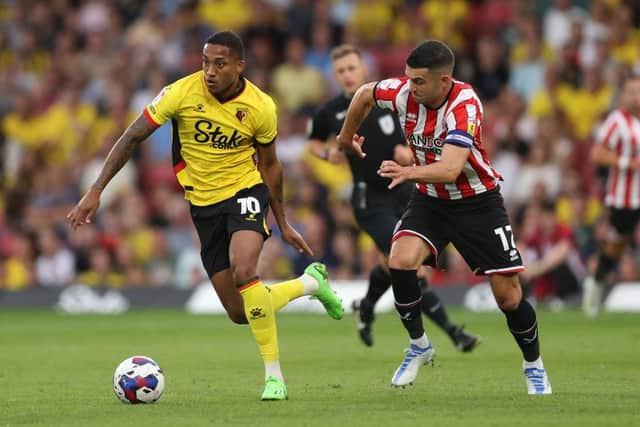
pixel 620 133
pixel 457 121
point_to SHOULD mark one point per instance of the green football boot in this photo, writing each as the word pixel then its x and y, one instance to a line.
pixel 274 389
pixel 325 294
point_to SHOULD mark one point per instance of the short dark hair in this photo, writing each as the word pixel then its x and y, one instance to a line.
pixel 432 54
pixel 230 40
pixel 344 50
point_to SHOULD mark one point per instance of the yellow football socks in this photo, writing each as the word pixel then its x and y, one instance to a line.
pixel 259 309
pixel 282 293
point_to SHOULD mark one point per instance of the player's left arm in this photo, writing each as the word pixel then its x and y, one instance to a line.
pixel 271 171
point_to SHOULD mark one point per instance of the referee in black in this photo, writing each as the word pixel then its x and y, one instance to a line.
pixel 377 209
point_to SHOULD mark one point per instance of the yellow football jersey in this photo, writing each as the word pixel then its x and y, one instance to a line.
pixel 213 141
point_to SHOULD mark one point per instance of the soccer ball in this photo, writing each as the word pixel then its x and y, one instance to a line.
pixel 138 379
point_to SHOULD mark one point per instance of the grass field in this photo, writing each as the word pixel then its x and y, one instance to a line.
pixel 57 370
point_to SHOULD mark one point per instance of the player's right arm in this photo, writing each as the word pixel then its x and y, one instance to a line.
pixel 121 152
pixel 361 104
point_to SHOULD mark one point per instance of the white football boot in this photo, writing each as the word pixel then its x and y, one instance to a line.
pixel 415 358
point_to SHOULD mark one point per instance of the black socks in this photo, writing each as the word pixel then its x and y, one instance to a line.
pixel 379 282
pixel 433 308
pixel 524 328
pixel 408 299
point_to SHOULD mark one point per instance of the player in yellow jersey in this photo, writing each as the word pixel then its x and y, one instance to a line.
pixel 220 122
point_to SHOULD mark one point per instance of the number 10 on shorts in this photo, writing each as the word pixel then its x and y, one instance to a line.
pixel 502 233
pixel 249 204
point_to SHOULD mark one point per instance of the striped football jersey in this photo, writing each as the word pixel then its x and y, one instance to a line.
pixel 620 133
pixel 457 121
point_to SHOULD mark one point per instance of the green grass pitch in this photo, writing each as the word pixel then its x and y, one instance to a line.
pixel 57 370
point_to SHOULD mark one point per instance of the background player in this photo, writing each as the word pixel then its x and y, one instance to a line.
pixel 458 200
pixel 377 209
pixel 617 147
pixel 220 120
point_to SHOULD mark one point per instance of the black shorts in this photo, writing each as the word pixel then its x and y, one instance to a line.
pixel 378 212
pixel 478 227
pixel 246 210
pixel 624 220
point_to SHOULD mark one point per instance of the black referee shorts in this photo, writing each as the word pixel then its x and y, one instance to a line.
pixel 378 212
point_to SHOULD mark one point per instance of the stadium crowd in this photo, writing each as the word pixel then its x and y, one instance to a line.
pixel 74 73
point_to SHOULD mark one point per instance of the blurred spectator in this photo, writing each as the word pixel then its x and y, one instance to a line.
pixel 371 20
pixel 490 71
pixel 291 138
pixel 447 20
pixel 539 178
pixel 17 269
pixel 554 267
pixel 296 84
pixel 549 98
pixel 134 272
pixel 595 30
pixel 492 16
pixel 588 104
pixel 160 264
pixel 507 162
pixel 527 76
pixel 624 37
pixel 231 14
pixel 55 264
pixel 558 20
pixel 52 198
pixel 189 271
pixel 575 206
pixel 317 55
pixel 101 271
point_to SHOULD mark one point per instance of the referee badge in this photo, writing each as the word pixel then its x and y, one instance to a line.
pixel 241 113
pixel 386 124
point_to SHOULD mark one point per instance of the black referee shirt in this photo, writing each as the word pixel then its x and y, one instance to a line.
pixel 381 131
